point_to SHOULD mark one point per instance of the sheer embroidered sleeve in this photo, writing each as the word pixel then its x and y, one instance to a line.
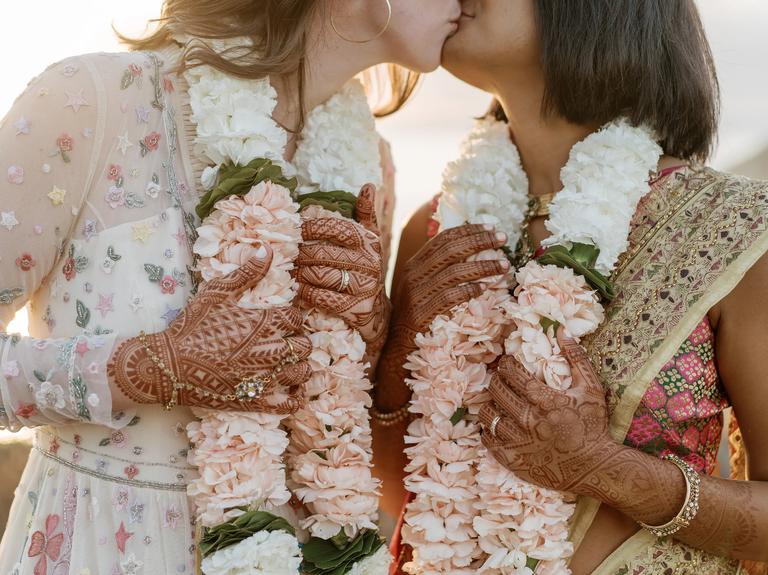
pixel 48 149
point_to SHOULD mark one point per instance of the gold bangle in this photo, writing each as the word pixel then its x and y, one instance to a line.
pixel 690 505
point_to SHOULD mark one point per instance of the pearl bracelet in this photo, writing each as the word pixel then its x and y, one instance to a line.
pixel 690 506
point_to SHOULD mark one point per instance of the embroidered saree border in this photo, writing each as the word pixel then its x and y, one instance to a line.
pixel 700 266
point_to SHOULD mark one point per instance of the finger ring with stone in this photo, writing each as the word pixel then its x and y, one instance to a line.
pixel 494 424
pixel 344 281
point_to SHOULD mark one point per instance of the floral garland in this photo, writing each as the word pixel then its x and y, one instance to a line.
pixel 470 513
pixel 242 457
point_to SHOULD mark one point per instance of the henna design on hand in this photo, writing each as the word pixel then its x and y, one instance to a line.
pixel 355 248
pixel 214 344
pixel 431 286
pixel 560 440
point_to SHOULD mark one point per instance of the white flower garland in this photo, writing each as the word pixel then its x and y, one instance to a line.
pixel 337 150
pixel 514 524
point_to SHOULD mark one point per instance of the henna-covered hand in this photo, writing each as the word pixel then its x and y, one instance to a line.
pixel 547 436
pixel 560 440
pixel 341 246
pixel 214 344
pixel 435 280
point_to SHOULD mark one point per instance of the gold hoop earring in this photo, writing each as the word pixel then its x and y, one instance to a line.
pixel 340 35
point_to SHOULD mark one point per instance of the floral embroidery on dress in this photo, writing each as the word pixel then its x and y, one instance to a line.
pixel 131 471
pixel 69 70
pixel 64 145
pixel 115 197
pixel 46 545
pixel 150 143
pixel 22 126
pixel 16 175
pixel 26 262
pixel 134 73
pixel 114 172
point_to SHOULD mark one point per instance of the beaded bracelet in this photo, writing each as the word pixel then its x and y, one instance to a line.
pixel 389 419
pixel 690 506
pixel 250 389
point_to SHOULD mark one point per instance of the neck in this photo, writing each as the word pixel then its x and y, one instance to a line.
pixel 544 143
pixel 331 63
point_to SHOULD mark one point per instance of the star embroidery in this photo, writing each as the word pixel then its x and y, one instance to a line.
pixel 76 100
pixel 101 465
pixel 57 196
pixel 124 143
pixel 142 232
pixel 90 229
pixel 121 536
pixel 93 369
pixel 170 314
pixel 143 114
pixel 9 220
pixel 136 512
pixel 137 301
pixel 115 570
pixel 25 410
pixel 178 429
pixel 105 304
pixel 55 289
pixel 168 85
pixel 180 236
pixel 22 126
pixel 82 348
pixel 172 516
pixel 131 566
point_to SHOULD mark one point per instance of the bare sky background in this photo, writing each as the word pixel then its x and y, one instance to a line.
pixel 426 134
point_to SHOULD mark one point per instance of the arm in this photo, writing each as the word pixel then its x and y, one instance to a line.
pixel 733 516
pixel 47 159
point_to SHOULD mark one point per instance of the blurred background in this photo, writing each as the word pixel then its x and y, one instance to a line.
pixel 424 136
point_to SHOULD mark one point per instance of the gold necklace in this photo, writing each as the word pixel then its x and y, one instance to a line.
pixel 538 205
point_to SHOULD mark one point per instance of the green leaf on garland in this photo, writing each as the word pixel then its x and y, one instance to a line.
pixel 240 528
pixel 325 557
pixel 546 323
pixel 458 415
pixel 238 181
pixel 338 201
pixel 531 563
pixel 579 258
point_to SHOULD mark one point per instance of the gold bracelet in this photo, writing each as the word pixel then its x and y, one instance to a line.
pixel 690 506
pixel 250 389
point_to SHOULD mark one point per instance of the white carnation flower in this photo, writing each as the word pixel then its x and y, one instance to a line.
pixel 606 176
pixel 339 149
pixel 275 553
pixel 376 564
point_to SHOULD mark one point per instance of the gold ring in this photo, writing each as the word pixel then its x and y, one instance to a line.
pixel 293 357
pixel 494 423
pixel 344 281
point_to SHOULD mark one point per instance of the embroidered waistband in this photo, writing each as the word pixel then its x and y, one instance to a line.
pixel 112 478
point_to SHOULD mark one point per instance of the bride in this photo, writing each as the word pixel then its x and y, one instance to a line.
pixel 595 102
pixel 108 156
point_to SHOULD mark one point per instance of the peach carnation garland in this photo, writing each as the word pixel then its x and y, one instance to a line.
pixel 470 513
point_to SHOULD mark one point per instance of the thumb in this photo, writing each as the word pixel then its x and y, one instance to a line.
pixel 581 366
pixel 235 283
pixel 365 209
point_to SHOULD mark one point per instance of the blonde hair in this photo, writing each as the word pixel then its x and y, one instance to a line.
pixel 279 32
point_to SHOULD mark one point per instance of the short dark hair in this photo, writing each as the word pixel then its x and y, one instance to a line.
pixel 648 60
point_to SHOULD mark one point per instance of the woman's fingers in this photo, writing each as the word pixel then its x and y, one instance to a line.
pixel 583 372
pixel 291 376
pixel 340 258
pixel 365 209
pixel 231 286
pixel 504 430
pixel 455 251
pixel 338 231
pixel 463 272
pixel 506 398
pixel 333 301
pixel 443 302
pixel 333 279
pixel 286 319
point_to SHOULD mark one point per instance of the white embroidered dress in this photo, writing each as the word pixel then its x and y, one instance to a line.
pixel 97 158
